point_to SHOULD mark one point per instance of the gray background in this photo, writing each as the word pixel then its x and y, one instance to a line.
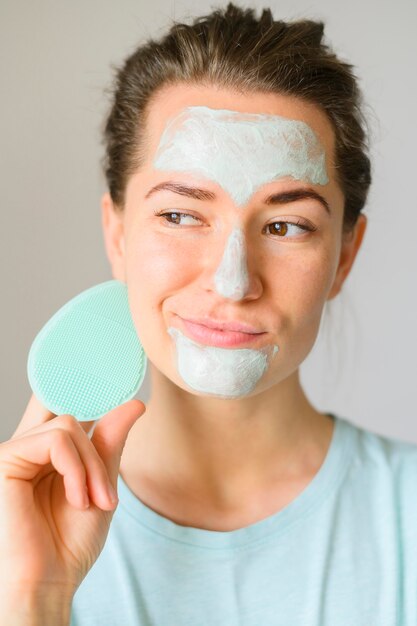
pixel 55 62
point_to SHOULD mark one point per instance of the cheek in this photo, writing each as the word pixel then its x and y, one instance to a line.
pixel 298 294
pixel 300 284
pixel 158 264
pixel 156 268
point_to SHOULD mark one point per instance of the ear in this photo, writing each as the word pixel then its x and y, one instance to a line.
pixel 114 237
pixel 351 243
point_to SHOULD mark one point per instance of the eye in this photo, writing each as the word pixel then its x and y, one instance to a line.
pixel 281 228
pixel 177 217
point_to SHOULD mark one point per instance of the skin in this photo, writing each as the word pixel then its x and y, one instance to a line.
pixel 203 461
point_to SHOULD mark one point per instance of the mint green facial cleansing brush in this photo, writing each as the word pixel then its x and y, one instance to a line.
pixel 87 359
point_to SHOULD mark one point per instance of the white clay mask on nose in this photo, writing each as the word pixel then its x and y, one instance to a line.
pixel 220 371
pixel 231 279
pixel 240 151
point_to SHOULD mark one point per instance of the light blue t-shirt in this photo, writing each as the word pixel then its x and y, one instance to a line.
pixel 342 553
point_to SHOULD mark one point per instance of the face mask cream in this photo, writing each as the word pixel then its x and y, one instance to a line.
pixel 240 151
pixel 231 279
pixel 219 371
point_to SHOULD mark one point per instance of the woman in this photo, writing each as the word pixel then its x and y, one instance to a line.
pixel 237 171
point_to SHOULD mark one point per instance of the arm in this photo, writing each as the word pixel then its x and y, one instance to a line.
pixel 47 607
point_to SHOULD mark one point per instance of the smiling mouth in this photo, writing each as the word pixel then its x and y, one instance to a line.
pixel 234 326
pixel 218 337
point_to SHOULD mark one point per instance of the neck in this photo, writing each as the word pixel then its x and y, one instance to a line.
pixel 222 451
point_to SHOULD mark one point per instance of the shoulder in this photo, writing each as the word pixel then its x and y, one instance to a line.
pixel 382 449
pixel 388 460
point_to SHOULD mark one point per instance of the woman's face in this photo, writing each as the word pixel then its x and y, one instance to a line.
pixel 226 253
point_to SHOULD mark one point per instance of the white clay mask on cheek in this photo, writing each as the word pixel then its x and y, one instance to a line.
pixel 220 371
pixel 241 151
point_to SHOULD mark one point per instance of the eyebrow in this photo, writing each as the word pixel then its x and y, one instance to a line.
pixel 283 197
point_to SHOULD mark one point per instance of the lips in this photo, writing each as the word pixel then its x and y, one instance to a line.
pixel 217 337
pixel 225 326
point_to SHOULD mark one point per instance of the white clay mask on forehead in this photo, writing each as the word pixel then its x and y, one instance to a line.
pixel 240 151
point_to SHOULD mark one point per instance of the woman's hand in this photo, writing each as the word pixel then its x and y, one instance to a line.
pixel 48 538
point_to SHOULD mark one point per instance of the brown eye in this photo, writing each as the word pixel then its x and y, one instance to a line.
pixel 278 228
pixel 176 221
pixel 174 217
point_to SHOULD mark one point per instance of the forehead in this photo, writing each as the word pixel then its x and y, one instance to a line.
pixel 240 151
pixel 239 141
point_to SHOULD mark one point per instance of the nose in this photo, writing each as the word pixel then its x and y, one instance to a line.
pixel 232 279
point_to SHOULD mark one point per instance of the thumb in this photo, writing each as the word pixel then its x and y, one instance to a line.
pixel 110 434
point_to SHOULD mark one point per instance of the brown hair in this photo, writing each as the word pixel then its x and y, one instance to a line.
pixel 231 48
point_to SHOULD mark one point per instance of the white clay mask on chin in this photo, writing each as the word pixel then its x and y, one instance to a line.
pixel 240 152
pixel 220 371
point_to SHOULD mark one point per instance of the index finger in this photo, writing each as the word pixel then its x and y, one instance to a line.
pixel 36 414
